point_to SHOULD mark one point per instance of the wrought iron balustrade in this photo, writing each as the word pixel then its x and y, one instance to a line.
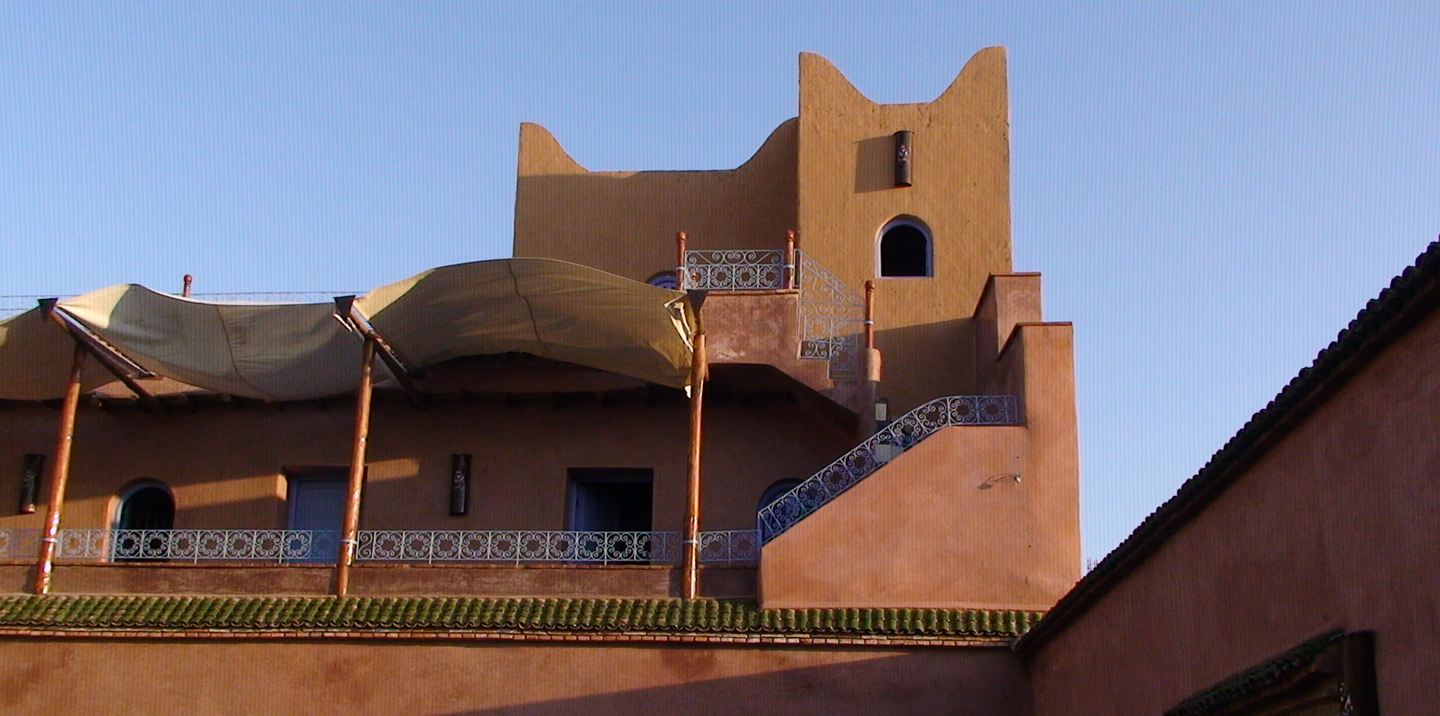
pixel 879 449
pixel 11 306
pixel 730 547
pixel 199 545
pixel 566 546
pixel 831 312
pixel 832 318
pixel 735 270
pixel 19 542
pixel 518 546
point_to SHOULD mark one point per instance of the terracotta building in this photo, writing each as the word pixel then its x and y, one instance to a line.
pixel 791 437
pixel 788 438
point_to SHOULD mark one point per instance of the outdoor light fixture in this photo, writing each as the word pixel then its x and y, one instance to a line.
pixel 459 485
pixel 903 151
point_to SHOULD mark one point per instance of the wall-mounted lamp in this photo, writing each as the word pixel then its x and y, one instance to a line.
pixel 459 485
pixel 903 150
pixel 30 482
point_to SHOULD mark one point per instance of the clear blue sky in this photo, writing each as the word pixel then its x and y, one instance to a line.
pixel 1212 190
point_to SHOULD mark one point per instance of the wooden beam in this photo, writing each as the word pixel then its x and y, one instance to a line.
pixel 114 361
pixel 351 528
pixel 60 474
pixel 345 307
pixel 690 559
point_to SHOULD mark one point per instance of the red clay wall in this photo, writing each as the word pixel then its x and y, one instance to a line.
pixel 313 678
pixel 946 523
pixel 1334 527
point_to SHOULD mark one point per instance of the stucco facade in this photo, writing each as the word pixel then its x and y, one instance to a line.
pixel 868 404
pixel 920 561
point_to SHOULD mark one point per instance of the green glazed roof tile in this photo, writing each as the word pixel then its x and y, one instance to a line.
pixel 1258 678
pixel 593 616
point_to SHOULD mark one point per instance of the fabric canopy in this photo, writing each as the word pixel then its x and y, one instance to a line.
pixel 553 309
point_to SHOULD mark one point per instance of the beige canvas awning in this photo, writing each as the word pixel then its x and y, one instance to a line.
pixel 548 308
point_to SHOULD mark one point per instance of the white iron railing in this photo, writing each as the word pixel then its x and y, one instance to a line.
pixel 585 547
pixel 19 542
pixel 517 546
pixel 197 545
pixel 831 312
pixel 881 448
pixel 734 547
pixel 832 318
pixel 736 270
pixel 730 547
pixel 15 305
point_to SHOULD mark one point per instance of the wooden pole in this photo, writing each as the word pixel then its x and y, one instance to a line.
pixel 60 475
pixel 680 260
pixel 690 576
pixel 869 314
pixel 790 259
pixel 357 470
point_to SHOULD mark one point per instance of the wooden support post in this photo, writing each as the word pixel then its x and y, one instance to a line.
pixel 351 527
pixel 680 261
pixel 60 474
pixel 870 369
pixel 869 314
pixel 690 576
pixel 790 259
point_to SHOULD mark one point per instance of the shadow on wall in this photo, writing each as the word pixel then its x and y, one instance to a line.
pixel 626 224
pixel 926 361
pixel 907 684
pixel 874 164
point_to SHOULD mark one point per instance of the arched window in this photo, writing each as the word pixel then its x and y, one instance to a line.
pixel 775 491
pixel 905 249
pixel 147 512
pixel 772 493
pixel 663 279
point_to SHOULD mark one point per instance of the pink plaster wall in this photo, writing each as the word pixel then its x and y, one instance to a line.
pixel 315 678
pixel 1333 527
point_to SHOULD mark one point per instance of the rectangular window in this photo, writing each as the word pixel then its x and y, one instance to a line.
pixel 316 498
pixel 611 499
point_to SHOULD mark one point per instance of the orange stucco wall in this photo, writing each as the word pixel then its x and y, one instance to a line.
pixel 829 174
pixel 224 465
pixel 625 222
pixel 312 678
pixel 1333 527
pixel 961 192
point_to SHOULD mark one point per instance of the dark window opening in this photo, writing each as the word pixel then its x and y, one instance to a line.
pixel 147 514
pixel 904 251
pixel 611 499
pixel 147 508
